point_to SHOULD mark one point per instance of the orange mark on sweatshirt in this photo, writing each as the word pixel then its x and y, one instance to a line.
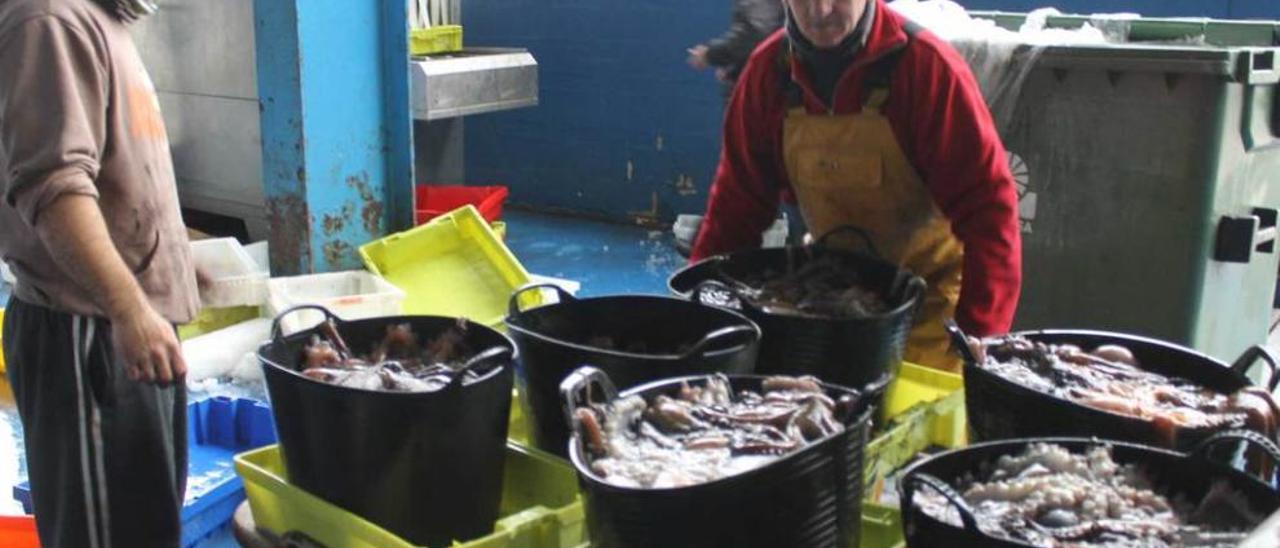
pixel 144 112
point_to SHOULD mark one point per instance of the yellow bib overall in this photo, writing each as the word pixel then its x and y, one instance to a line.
pixel 850 170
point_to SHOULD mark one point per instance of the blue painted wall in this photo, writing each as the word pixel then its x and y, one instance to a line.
pixel 622 117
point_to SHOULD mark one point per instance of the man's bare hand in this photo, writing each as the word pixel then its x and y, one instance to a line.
pixel 149 347
pixel 698 57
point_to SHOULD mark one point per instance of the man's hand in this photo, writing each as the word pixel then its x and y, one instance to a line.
pixel 698 57
pixel 148 347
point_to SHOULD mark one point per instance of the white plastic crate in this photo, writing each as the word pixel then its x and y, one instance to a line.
pixel 352 295
pixel 686 231
pixel 234 278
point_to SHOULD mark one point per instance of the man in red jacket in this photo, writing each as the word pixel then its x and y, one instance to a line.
pixel 863 118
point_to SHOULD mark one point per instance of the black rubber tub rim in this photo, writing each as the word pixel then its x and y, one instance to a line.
pixel 277 337
pixel 912 292
pixel 1240 366
pixel 582 379
pixel 747 330
pixel 913 480
pixel 915 286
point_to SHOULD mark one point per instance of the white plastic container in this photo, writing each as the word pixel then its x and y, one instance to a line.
pixel 686 228
pixel 259 252
pixel 216 354
pixel 232 276
pixel 776 234
pixel 569 286
pixel 351 295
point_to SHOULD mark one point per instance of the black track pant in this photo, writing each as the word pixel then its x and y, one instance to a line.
pixel 106 456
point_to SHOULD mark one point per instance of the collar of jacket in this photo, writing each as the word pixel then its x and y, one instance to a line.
pixel 886 35
pixel 846 49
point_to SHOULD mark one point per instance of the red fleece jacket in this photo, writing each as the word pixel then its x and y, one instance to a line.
pixel 939 118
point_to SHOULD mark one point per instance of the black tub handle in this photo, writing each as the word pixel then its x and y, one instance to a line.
pixel 850 229
pixel 1250 437
pixel 917 286
pixel 277 332
pixel 513 306
pixel 960 341
pixel 1257 353
pixel 915 481
pixel 710 342
pixel 576 391
pixel 483 357
pixel 704 294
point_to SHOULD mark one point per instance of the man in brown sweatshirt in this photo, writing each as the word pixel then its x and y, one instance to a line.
pixel 90 226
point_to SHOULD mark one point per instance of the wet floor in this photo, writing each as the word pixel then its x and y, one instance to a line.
pixel 607 259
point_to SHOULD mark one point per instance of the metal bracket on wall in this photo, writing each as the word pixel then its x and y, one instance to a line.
pixel 1234 240
pixel 1238 238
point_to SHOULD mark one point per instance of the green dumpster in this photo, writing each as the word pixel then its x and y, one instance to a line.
pixel 1149 179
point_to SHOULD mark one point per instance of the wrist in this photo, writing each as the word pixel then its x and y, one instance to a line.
pixel 128 304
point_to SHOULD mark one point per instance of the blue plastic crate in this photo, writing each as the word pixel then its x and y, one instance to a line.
pixel 217 429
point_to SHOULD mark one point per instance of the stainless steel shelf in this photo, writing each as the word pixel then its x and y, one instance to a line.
pixel 473 81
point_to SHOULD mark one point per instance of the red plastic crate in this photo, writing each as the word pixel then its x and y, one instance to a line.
pixel 18 532
pixel 435 200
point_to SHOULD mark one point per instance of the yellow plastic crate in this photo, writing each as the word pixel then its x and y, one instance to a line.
pixel 540 505
pixel 453 265
pixel 441 39
pixel 924 407
pixel 213 319
pixel 881 526
pixel 2 366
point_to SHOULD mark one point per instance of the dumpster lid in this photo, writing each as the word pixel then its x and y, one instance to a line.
pixel 1244 51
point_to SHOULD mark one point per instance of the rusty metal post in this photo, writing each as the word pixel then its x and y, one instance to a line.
pixel 337 151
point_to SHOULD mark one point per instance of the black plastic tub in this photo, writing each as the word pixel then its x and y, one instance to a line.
pixel 426 466
pixel 1186 475
pixel 999 408
pixel 553 341
pixel 855 352
pixel 812 497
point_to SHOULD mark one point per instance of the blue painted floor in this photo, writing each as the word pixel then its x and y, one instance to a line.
pixel 607 259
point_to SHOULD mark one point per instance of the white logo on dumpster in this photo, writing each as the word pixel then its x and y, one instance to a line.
pixel 1026 198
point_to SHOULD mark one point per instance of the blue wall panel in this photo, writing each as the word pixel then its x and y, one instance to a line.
pixel 1255 9
pixel 622 117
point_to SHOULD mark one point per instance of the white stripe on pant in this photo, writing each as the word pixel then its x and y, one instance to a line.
pixel 99 449
pixel 94 506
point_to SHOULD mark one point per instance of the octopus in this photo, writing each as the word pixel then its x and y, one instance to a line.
pixel 397 363
pixel 1049 496
pixel 820 287
pixel 703 433
pixel 1109 378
